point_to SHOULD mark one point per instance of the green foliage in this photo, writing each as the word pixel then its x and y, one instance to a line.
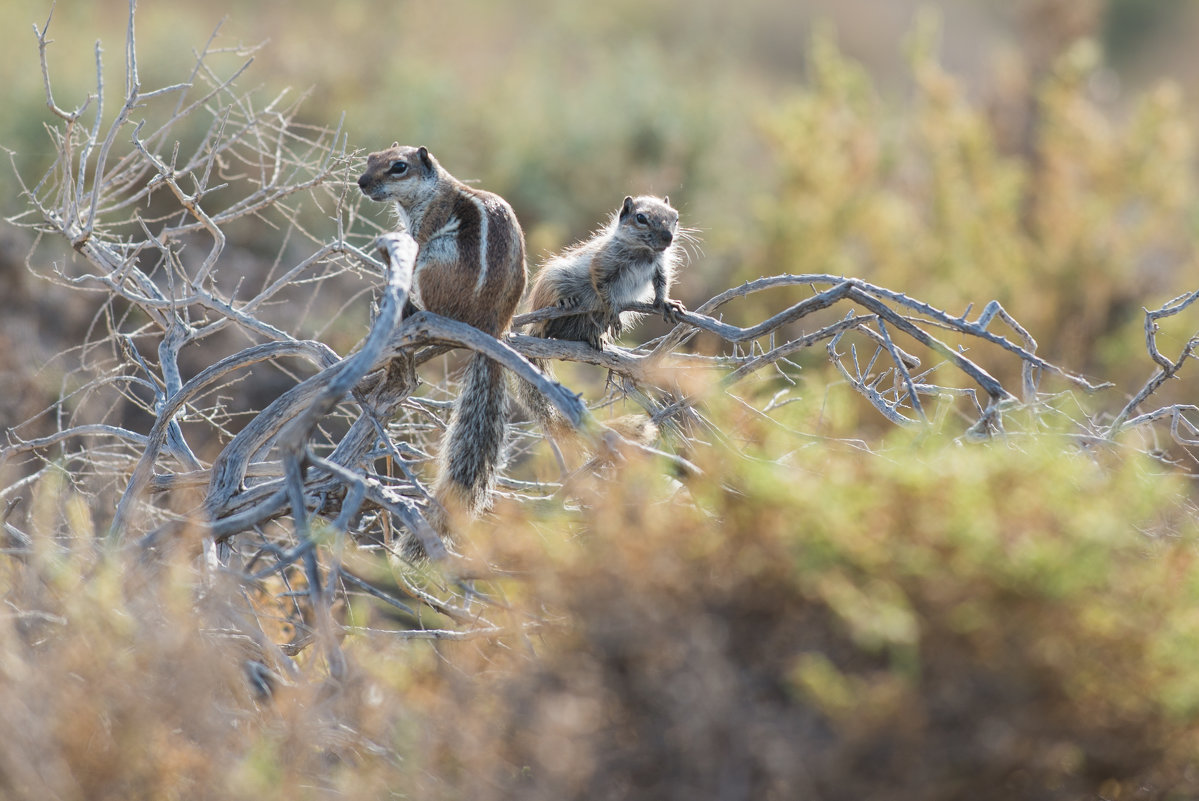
pixel 1090 220
pixel 929 622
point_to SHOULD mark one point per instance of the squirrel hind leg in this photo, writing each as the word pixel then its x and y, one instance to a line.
pixel 583 327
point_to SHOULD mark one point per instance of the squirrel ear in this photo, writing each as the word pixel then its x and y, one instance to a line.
pixel 666 200
pixel 627 208
pixel 395 144
pixel 425 158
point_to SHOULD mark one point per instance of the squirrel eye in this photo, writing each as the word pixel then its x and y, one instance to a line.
pixel 641 218
pixel 398 168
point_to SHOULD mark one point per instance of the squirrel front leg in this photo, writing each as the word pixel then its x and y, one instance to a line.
pixel 607 318
pixel 670 309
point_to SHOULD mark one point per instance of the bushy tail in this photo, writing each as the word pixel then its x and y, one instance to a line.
pixel 636 427
pixel 538 405
pixel 471 451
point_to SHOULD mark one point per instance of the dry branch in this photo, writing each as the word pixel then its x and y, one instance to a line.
pixel 1168 368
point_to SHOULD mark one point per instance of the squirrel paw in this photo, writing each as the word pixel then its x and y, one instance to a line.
pixel 671 309
pixel 615 326
pixel 597 330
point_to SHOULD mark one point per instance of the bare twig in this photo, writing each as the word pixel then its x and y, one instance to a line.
pixel 1168 369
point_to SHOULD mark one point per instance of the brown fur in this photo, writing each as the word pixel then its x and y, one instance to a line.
pixel 470 266
pixel 449 220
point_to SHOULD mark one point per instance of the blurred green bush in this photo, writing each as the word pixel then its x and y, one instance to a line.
pixel 929 621
pixel 1075 235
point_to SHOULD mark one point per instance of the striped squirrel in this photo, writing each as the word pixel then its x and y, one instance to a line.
pixel 470 266
pixel 632 259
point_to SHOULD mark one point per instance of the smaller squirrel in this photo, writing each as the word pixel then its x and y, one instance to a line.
pixel 630 260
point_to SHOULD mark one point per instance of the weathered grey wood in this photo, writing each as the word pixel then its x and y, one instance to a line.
pixel 144 470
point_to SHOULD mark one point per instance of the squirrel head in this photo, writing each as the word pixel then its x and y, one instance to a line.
pixel 402 174
pixel 648 221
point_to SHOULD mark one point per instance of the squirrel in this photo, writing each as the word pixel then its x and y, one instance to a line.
pixel 632 259
pixel 619 265
pixel 470 266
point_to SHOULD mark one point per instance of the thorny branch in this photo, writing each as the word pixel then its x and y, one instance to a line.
pixel 210 391
pixel 1168 369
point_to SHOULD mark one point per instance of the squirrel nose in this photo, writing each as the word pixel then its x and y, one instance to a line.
pixel 362 181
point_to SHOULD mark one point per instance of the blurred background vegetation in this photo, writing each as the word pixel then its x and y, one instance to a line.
pixel 942 623
pixel 1039 152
